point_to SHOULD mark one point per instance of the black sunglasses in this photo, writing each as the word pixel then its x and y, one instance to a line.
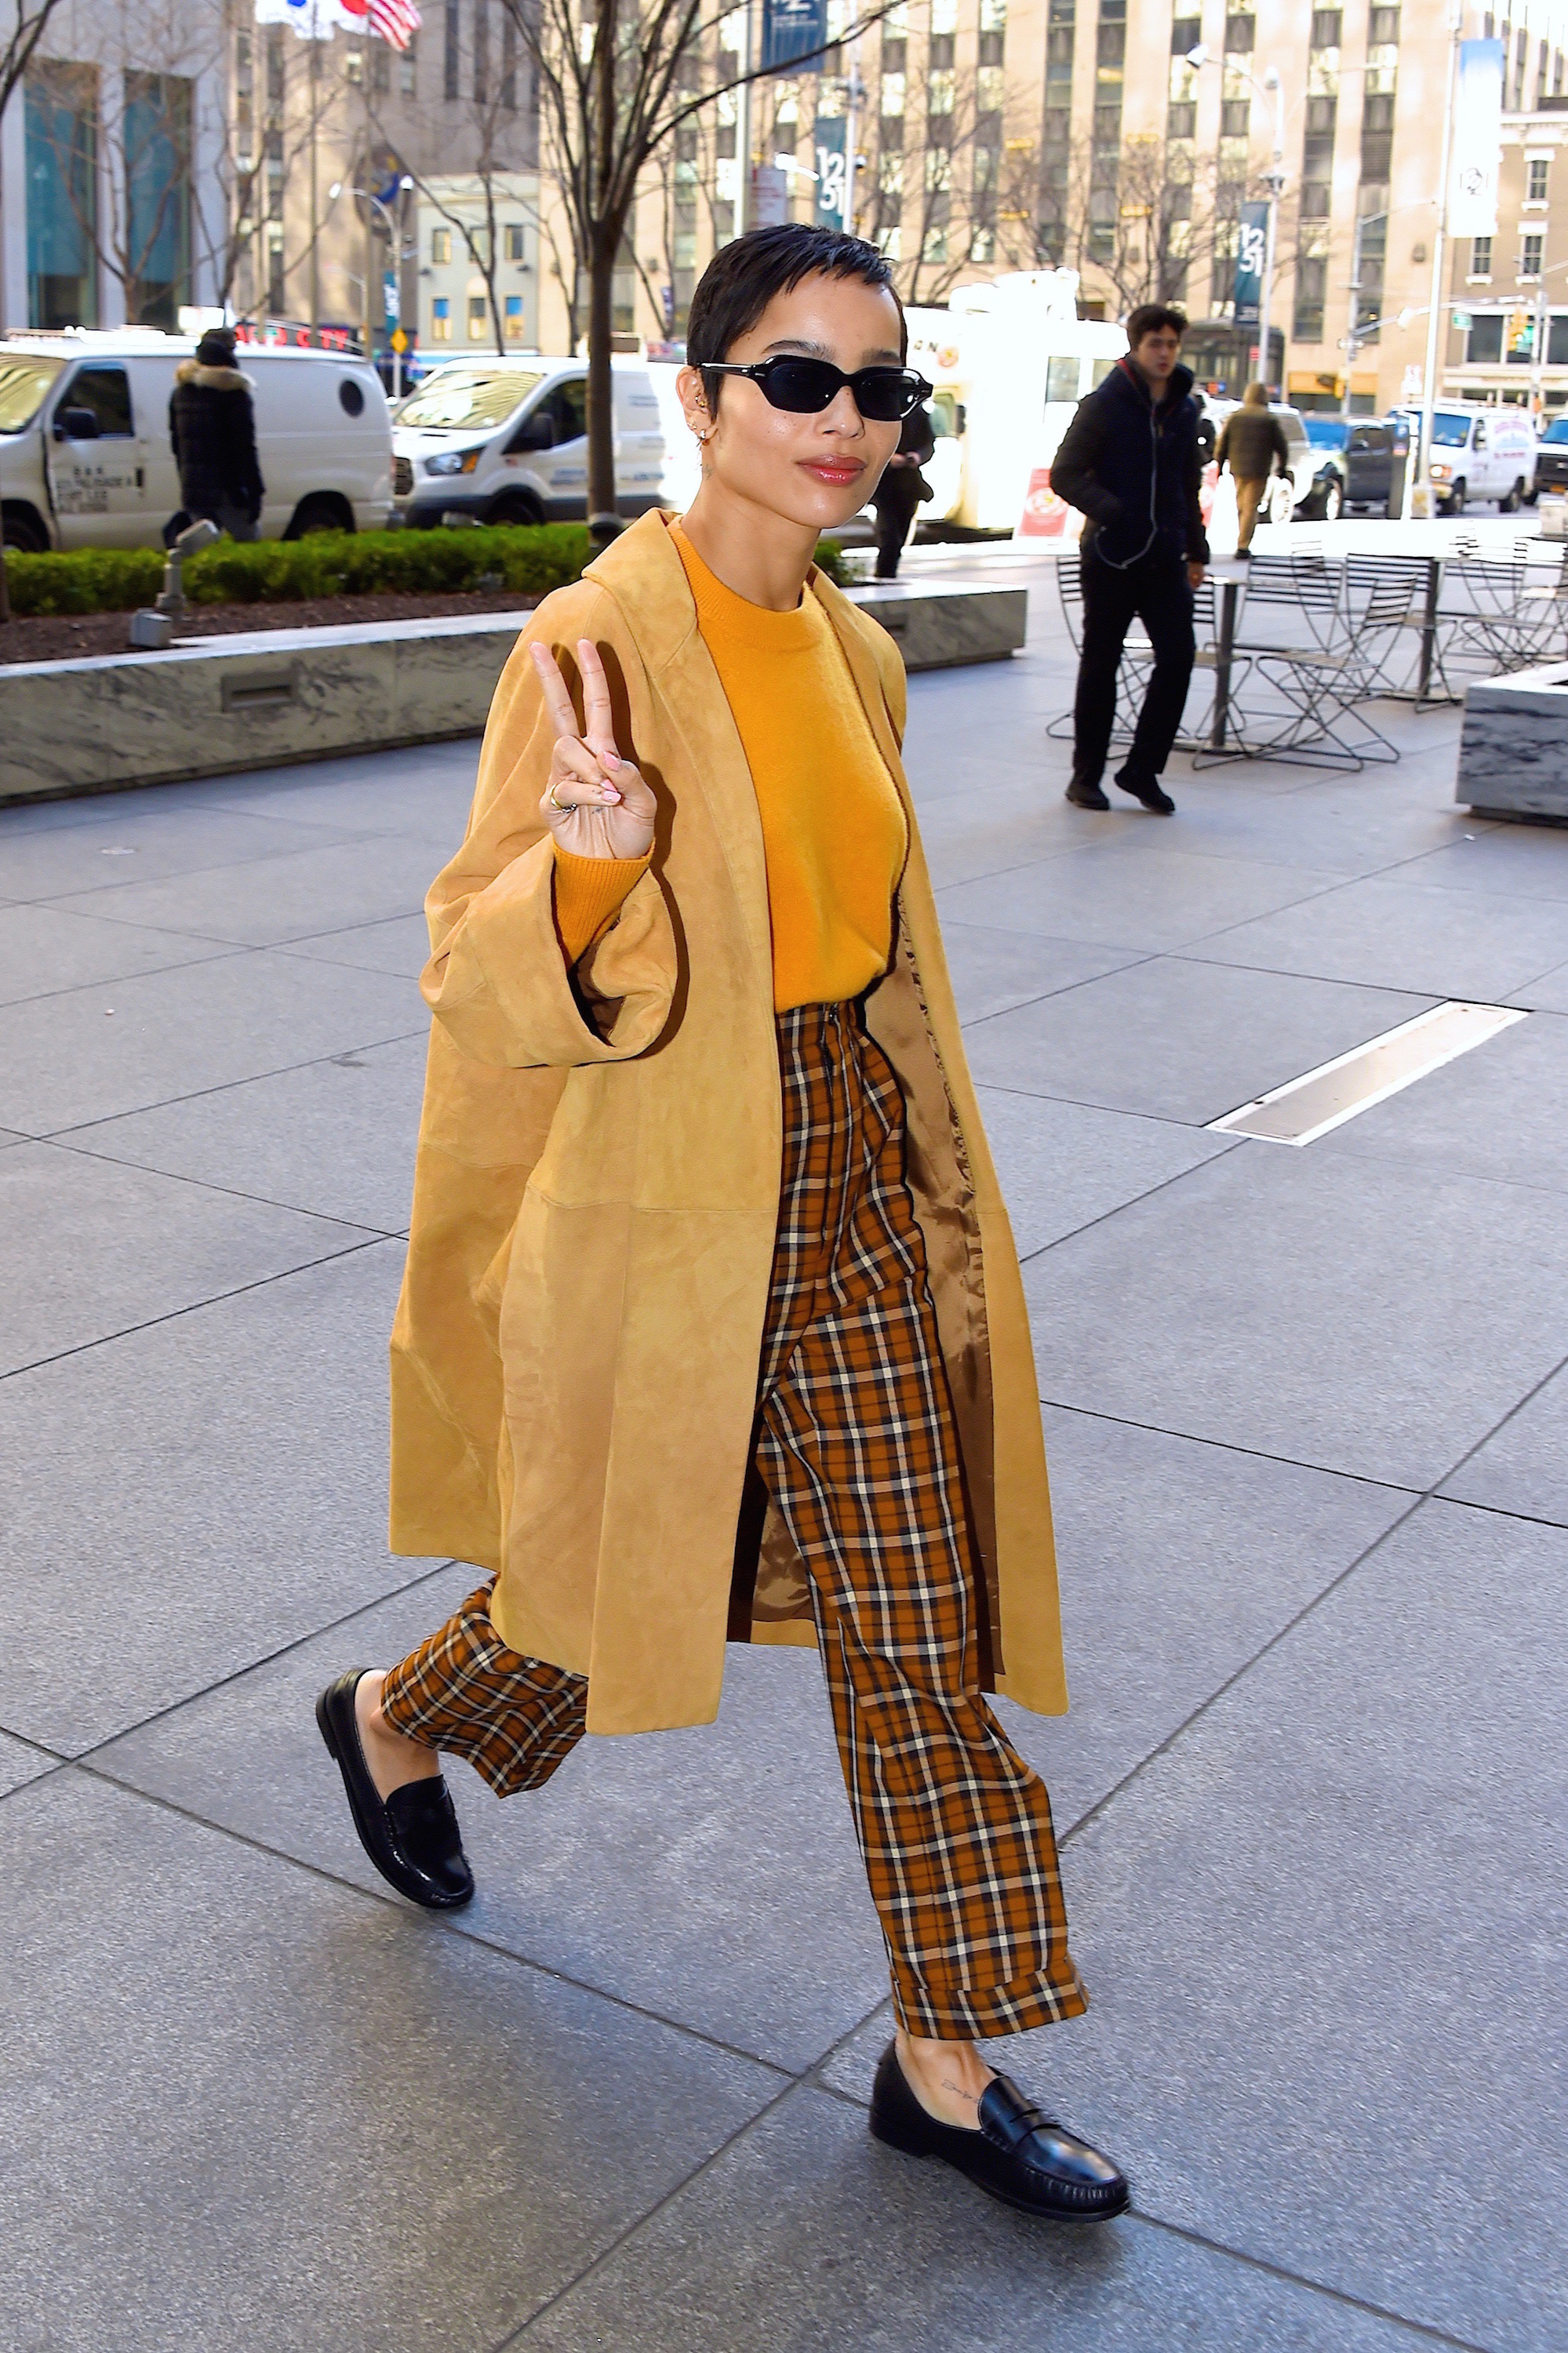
pixel 882 395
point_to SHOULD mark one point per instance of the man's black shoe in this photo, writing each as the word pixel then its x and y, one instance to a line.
pixel 1151 794
pixel 411 1837
pixel 1243 556
pixel 1024 2158
pixel 1086 796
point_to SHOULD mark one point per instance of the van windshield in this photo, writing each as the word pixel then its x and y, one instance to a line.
pixel 462 397
pixel 1450 432
pixel 1557 430
pixel 24 378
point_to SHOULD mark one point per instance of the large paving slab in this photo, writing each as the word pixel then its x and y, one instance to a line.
pixel 397 944
pixel 334 1136
pixel 109 1248
pixel 1066 1165
pixel 1323 1932
pixel 1158 898
pixel 1395 933
pixel 245 2107
pixel 1524 1466
pixel 93 1053
pixel 1178 1041
pixel 1178 1563
pixel 191 1497
pixel 263 901
pixel 991 970
pixel 710 1876
pixel 137 840
pixel 43 950
pixel 1367 1317
pixel 807 2235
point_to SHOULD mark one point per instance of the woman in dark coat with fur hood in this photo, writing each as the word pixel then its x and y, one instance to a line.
pixel 212 431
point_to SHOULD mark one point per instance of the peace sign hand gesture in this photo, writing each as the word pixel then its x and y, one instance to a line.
pixel 596 804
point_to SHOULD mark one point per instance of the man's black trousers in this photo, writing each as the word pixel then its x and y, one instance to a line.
pixel 1155 591
pixel 897 497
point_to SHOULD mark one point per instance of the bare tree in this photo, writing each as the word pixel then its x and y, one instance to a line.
pixel 498 135
pixel 616 79
pixel 263 142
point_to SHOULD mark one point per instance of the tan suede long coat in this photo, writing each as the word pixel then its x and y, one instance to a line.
pixel 574 1356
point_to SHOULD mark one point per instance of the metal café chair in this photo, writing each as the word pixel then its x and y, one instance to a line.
pixel 1301 640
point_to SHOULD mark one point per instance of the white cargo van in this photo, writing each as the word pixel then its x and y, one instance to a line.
pixel 1479 452
pixel 505 440
pixel 85 460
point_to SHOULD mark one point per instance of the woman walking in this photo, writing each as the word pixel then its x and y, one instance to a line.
pixel 712 1326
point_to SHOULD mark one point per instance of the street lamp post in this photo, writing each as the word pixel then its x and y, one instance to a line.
pixel 372 203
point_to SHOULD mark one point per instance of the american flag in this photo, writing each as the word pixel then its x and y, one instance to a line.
pixel 396 21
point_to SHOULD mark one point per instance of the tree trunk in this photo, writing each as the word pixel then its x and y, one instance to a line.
pixel 601 386
pixel 608 224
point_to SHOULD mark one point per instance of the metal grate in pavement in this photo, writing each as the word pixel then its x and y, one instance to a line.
pixel 1325 1098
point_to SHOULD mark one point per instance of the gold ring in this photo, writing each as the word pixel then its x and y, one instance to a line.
pixel 565 808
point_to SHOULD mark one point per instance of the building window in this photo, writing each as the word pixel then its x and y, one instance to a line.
pixel 156 134
pixel 1538 171
pixel 1530 252
pixel 515 323
pixel 1484 342
pixel 61 144
pixel 512 237
pixel 480 52
pixel 1311 283
pixel 451 78
pixel 441 245
pixel 509 62
pixel 1480 257
pixel 478 318
pixel 440 319
pixel 408 69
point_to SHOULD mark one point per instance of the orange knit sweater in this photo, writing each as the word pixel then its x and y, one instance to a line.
pixel 832 825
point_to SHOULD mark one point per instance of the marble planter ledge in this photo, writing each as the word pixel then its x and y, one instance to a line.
pixel 1513 745
pixel 266 697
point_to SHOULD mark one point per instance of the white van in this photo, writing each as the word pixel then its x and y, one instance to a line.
pixel 505 440
pixel 85 460
pixel 1479 452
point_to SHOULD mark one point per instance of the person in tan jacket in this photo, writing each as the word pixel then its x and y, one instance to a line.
pixel 713 1328
pixel 1252 443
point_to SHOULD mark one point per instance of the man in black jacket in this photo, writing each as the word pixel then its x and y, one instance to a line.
pixel 901 489
pixel 1130 462
pixel 212 431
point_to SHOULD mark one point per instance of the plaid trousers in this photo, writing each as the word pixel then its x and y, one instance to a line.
pixel 856 1444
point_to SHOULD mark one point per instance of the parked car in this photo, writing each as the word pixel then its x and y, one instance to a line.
pixel 85 460
pixel 1479 452
pixel 1290 496
pixel 1552 458
pixel 1360 463
pixel 505 440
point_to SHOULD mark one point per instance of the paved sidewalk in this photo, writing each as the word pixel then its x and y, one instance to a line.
pixel 1308 1423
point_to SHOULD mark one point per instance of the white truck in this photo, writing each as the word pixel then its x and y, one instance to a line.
pixel 505 440
pixel 85 460
pixel 1011 360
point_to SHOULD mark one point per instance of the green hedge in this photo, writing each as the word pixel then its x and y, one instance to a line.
pixel 529 561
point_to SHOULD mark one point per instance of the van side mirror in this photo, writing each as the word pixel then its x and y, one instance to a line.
pixel 535 432
pixel 960 418
pixel 76 425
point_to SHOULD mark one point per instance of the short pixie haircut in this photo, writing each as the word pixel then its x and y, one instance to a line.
pixel 744 276
pixel 1153 319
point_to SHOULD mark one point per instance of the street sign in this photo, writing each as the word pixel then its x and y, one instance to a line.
pixel 398 341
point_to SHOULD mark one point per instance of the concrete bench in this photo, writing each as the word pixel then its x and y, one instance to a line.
pixel 274 696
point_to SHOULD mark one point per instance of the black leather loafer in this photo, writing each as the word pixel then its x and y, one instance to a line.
pixel 1151 792
pixel 1024 2158
pixel 411 1837
pixel 1086 796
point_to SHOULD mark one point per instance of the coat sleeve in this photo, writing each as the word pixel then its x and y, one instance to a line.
pixel 496 981
pixel 174 426
pixel 249 466
pixel 1281 445
pixel 1073 474
pixel 1223 445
